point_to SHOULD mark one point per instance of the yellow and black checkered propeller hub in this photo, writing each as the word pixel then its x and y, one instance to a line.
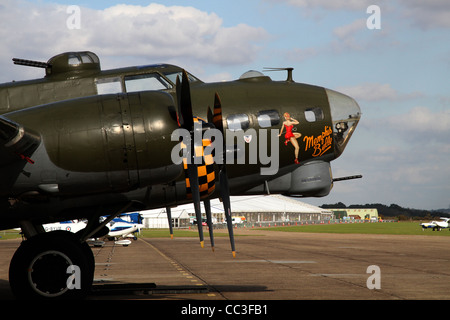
pixel 200 177
pixel 205 169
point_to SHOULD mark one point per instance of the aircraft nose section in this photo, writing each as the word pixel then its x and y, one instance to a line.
pixel 345 113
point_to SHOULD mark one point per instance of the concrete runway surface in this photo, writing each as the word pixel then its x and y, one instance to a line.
pixel 269 266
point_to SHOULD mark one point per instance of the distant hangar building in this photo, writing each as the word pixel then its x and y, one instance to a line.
pixel 356 214
pixel 254 209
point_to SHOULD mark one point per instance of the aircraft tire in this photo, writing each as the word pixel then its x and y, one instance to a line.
pixel 39 267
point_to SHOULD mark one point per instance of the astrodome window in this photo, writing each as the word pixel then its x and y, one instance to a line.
pixel 85 58
pixel 73 60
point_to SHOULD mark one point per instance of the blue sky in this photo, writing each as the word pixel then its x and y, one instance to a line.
pixel 399 74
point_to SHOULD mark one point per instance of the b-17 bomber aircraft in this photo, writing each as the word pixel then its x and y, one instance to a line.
pixel 82 143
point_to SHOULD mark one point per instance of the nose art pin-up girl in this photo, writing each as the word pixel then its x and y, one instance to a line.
pixel 290 136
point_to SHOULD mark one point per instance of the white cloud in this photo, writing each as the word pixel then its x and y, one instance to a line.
pixel 299 54
pixel 350 29
pixel 421 124
pixel 414 148
pixel 155 32
pixel 332 4
pixel 376 92
pixel 403 158
pixel 350 37
pixel 420 132
pixel 223 76
pixel 427 14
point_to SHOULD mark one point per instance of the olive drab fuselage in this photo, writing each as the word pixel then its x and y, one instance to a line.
pixel 109 132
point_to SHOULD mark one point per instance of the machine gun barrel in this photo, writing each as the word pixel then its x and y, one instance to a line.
pixel 348 178
pixel 31 63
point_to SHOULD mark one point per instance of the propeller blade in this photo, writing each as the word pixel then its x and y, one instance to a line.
pixel 185 115
pixel 169 218
pixel 209 115
pixel 186 121
pixel 224 187
pixel 195 190
pixel 179 114
pixel 224 190
pixel 217 116
pixel 207 204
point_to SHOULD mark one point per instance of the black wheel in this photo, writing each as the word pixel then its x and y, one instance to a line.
pixel 52 265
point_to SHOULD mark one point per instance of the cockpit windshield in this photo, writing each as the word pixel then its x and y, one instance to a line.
pixel 153 77
pixel 172 76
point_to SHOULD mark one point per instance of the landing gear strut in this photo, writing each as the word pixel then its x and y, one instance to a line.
pixel 57 264
pixel 52 265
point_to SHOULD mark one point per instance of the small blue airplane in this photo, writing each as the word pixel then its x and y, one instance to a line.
pixel 120 228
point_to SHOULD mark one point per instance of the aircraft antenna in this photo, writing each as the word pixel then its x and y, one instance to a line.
pixel 289 72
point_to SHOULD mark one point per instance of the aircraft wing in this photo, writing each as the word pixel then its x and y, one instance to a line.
pixel 427 225
pixel 16 142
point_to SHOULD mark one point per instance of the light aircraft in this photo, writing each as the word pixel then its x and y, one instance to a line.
pixel 71 226
pixel 123 226
pixel 120 228
pixel 83 142
pixel 436 225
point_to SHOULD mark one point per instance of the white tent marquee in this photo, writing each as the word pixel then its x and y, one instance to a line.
pixel 254 208
pixel 157 218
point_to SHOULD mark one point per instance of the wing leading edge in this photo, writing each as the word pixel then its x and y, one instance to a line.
pixel 16 142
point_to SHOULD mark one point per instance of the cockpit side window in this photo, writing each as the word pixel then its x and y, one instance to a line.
pixel 109 85
pixel 143 82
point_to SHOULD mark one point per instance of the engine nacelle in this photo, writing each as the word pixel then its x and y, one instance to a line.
pixel 313 179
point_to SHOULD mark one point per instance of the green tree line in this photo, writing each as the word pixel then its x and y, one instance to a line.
pixel 393 210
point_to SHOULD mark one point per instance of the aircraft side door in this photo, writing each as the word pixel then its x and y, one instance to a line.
pixel 119 143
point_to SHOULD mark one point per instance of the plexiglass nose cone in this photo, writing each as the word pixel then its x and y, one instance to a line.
pixel 345 113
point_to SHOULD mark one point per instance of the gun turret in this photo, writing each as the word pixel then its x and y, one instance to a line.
pixel 68 64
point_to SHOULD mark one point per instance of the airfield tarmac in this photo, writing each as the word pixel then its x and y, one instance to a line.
pixel 269 265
